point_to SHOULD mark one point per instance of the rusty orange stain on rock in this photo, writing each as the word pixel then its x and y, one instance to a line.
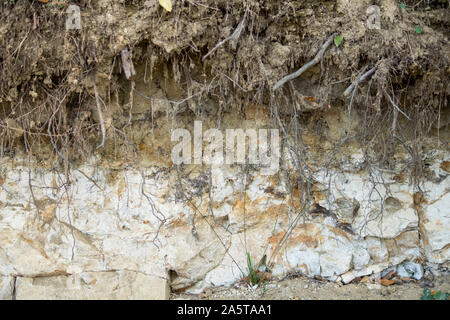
pixel 419 198
pixel 275 210
pixel 311 241
pixel 296 197
pixel 275 239
pixel 216 205
pixel 142 147
pixel 178 223
pixel 36 245
pixel 273 180
pixel 445 165
pixel 48 213
pixel 121 187
pixel 246 207
pixel 318 196
pixel 254 211
pixel 308 234
pixel 53 184
pixel 400 177
pixel 339 232
pixel 407 239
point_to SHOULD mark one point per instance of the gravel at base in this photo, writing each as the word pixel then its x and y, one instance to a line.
pixel 307 289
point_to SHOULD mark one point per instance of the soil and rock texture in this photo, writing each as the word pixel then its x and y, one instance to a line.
pixel 307 289
pixel 92 205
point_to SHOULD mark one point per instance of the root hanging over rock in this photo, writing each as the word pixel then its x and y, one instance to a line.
pixel 206 56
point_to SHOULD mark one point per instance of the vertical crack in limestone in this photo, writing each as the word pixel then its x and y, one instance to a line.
pixel 423 241
pixel 14 291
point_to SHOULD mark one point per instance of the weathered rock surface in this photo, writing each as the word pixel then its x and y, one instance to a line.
pixel 121 235
pixel 435 221
pixel 6 288
pixel 120 285
pixel 138 230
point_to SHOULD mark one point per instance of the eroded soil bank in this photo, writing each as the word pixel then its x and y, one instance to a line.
pixel 363 178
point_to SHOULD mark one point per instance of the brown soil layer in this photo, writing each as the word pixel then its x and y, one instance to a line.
pixel 47 96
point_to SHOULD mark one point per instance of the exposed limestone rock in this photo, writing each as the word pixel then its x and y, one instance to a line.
pixel 192 253
pixel 435 222
pixel 138 234
pixel 377 249
pixel 6 288
pixel 386 225
pixel 118 285
pixel 411 270
pixel 379 215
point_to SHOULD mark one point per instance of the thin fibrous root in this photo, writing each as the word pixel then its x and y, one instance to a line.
pixel 234 36
pixel 127 63
pixel 313 62
pixel 355 84
pixel 100 115
pixel 397 108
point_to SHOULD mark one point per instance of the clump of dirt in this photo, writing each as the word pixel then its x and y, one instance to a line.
pixel 209 57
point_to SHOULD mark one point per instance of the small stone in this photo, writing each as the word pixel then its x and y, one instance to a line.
pixel 385 292
pixel 387 271
pixel 412 269
pixel 426 283
pixel 386 282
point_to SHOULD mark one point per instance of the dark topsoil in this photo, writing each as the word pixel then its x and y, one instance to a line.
pixel 47 97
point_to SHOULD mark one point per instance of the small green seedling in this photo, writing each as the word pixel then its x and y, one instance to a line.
pixel 257 274
pixel 338 40
pixel 439 295
pixel 253 277
pixel 418 29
